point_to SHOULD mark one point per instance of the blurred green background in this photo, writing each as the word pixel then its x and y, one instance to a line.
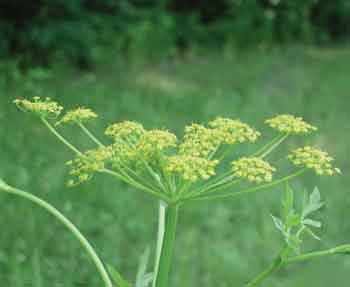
pixel 167 64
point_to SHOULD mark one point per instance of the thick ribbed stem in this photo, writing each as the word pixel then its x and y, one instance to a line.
pixel 163 264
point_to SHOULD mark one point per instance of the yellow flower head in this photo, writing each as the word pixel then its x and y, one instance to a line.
pixel 198 141
pixel 83 166
pixel 232 131
pixel 253 169
pixel 126 130
pixel 78 115
pixel 313 158
pixel 123 155
pixel 155 141
pixel 191 168
pixel 290 124
pixel 43 108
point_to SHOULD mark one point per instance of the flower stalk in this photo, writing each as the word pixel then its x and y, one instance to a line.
pixel 68 224
pixel 235 195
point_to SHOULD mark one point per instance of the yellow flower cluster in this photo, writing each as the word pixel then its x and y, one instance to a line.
pixel 201 141
pixel 198 141
pixel 313 158
pixel 290 124
pixel 191 168
pixel 231 131
pixel 127 130
pixel 123 155
pixel 82 167
pixel 253 169
pixel 44 108
pixel 78 115
pixel 154 141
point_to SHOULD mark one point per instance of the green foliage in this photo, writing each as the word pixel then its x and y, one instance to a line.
pixel 87 32
pixel 294 224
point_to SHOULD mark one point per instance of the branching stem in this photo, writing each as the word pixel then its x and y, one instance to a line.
pixel 60 137
pixel 249 190
pixel 281 262
pixel 135 184
pixel 90 135
pixel 226 180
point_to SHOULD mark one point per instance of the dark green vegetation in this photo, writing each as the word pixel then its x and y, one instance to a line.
pixel 219 243
pixel 43 31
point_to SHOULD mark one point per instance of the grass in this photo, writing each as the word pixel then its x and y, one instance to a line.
pixel 220 243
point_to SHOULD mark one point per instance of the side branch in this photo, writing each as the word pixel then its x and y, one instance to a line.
pixel 249 190
pixel 60 137
pixel 280 262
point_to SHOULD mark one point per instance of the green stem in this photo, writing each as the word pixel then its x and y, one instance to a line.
pixel 134 184
pixel 90 135
pixel 274 145
pixel 165 259
pixel 160 238
pixel 280 261
pixel 264 274
pixel 213 189
pixel 341 249
pixel 61 138
pixel 226 181
pixel 276 264
pixel 68 224
pixel 250 190
pixel 270 146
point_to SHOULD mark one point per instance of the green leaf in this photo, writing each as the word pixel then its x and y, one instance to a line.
pixel 315 196
pixel 117 278
pixel 313 204
pixel 308 230
pixel 279 224
pixel 311 222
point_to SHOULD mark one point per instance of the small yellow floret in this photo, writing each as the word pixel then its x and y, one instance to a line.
pixel 43 108
pixel 231 131
pixel 253 169
pixel 83 167
pixel 155 141
pixel 123 155
pixel 290 124
pixel 199 141
pixel 313 158
pixel 191 168
pixel 78 115
pixel 127 130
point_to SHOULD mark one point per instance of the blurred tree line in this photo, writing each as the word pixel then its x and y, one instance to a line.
pixel 81 31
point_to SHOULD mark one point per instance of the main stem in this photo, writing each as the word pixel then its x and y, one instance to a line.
pixel 164 260
pixel 72 228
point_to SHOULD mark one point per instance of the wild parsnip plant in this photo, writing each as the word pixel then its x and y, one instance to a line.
pixel 194 168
